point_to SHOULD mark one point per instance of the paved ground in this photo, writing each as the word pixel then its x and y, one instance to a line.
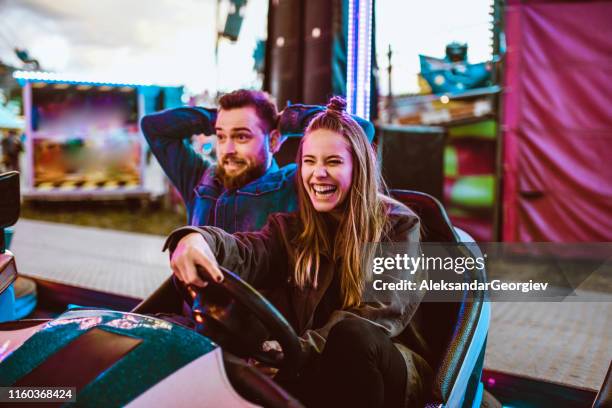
pixel 568 343
pixel 112 261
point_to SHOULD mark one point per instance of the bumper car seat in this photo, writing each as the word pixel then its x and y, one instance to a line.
pixel 9 213
pixel 292 122
pixel 459 335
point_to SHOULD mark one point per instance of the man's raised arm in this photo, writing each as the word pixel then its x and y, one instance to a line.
pixel 168 134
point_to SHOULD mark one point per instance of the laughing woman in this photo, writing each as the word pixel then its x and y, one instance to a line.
pixel 356 353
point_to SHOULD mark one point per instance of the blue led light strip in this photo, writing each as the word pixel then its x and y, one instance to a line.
pixel 52 77
pixel 359 55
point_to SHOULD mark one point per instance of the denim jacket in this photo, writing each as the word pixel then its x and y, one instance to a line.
pixel 207 201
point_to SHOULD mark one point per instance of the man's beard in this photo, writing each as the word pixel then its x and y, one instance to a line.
pixel 251 172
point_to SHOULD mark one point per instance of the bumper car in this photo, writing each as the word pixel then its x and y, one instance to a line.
pixel 114 358
pixel 109 358
pixel 137 358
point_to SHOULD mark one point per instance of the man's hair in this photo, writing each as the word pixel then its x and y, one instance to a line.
pixel 264 105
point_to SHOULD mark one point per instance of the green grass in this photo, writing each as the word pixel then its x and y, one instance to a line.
pixel 122 216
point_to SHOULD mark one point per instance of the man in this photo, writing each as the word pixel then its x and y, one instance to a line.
pixel 246 184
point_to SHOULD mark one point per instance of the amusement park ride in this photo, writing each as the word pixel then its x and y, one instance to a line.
pixel 120 353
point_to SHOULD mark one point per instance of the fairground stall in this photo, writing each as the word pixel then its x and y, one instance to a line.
pixel 459 104
pixel 82 135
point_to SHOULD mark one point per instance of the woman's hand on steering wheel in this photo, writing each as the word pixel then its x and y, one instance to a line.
pixel 193 258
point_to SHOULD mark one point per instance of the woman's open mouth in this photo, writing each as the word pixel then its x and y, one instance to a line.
pixel 324 190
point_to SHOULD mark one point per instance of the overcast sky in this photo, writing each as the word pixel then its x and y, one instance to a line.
pixel 163 41
pixel 172 42
pixel 414 27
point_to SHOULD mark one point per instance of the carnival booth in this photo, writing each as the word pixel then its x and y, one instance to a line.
pixel 557 126
pixel 460 98
pixel 82 135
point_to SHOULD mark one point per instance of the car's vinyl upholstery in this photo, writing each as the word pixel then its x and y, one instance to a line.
pixel 452 324
pixel 9 202
pixel 435 224
pixel 9 191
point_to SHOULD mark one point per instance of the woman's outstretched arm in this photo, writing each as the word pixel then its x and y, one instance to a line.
pixel 260 258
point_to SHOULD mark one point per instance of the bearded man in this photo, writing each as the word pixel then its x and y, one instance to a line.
pixel 245 185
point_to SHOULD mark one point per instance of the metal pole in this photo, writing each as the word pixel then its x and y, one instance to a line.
pixel 390 108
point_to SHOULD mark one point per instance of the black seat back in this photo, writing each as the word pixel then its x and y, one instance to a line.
pixel 9 202
pixel 435 224
pixel 293 121
pixel 448 326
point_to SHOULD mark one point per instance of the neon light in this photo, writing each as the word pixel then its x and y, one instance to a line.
pixel 350 69
pixel 39 76
pixel 359 55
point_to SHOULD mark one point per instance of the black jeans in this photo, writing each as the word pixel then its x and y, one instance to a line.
pixel 359 367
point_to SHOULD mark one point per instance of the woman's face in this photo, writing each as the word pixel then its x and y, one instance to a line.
pixel 327 168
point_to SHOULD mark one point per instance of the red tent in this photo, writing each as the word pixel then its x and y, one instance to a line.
pixel 558 121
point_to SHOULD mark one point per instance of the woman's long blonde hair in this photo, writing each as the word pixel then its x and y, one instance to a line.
pixel 364 218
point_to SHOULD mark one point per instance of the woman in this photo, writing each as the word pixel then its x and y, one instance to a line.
pixel 309 263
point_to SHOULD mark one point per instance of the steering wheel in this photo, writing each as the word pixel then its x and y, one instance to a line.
pixel 238 318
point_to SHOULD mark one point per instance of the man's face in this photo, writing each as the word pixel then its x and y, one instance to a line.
pixel 243 148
